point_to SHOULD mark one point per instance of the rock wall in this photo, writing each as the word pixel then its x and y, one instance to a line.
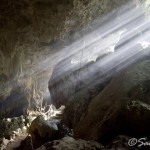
pixel 25 25
pixel 121 108
pixel 33 31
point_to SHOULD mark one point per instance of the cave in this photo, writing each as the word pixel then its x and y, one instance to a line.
pixel 74 74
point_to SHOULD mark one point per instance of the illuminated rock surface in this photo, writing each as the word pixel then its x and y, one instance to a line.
pixel 121 108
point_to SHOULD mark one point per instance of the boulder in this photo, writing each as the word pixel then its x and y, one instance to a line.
pixel 123 107
pixel 42 130
pixel 121 142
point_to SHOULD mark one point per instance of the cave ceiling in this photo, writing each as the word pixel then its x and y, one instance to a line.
pixel 25 23
pixel 32 31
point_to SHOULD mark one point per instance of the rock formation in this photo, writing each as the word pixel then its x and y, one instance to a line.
pixel 121 108
pixel 65 46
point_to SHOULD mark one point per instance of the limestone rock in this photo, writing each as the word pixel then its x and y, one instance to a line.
pixel 43 131
pixel 121 108
pixel 43 128
pixel 69 143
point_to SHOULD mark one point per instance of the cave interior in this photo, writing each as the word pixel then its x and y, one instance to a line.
pixel 74 74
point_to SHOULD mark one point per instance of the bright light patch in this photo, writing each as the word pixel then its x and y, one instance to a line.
pixel 145 44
